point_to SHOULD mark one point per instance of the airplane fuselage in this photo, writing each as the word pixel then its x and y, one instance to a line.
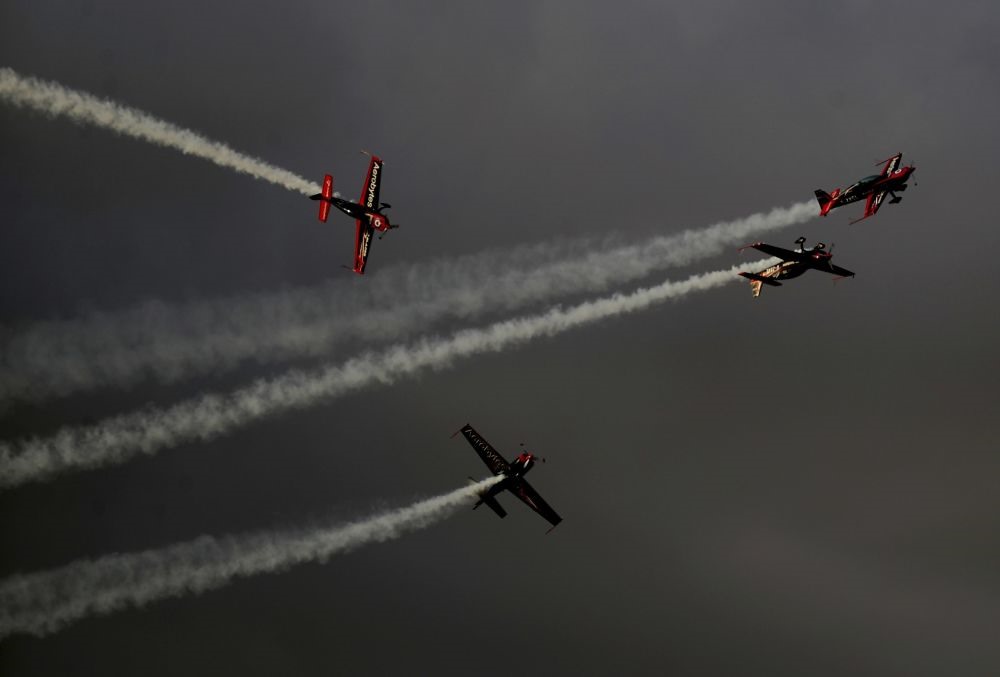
pixel 377 219
pixel 876 183
pixel 787 270
pixel 519 467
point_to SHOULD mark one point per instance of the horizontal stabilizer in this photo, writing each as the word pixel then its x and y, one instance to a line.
pixel 494 506
pixel 760 278
pixel 822 197
pixel 324 197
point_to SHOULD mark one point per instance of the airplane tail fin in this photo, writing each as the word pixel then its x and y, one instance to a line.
pixel 324 197
pixel 760 278
pixel 825 200
pixel 758 281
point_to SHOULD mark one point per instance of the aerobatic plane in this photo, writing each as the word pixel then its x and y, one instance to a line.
pixel 793 264
pixel 513 477
pixel 892 180
pixel 367 211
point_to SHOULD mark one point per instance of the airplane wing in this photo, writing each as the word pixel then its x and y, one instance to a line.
pixel 526 493
pixel 373 180
pixel 493 460
pixel 780 252
pixel 827 266
pixel 892 164
pixel 873 203
pixel 842 272
pixel 362 243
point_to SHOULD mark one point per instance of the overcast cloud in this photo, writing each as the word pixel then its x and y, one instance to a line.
pixel 798 484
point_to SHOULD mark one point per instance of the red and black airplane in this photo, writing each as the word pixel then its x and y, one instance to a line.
pixel 367 211
pixel 793 264
pixel 892 180
pixel 513 478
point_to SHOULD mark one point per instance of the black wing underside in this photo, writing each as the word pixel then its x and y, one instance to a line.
pixel 842 272
pixel 825 266
pixel 493 460
pixel 779 252
pixel 530 497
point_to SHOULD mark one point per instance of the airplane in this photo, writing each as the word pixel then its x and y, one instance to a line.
pixel 513 477
pixel 793 264
pixel 367 211
pixel 892 180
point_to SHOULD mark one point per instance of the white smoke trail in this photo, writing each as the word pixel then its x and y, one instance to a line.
pixel 44 602
pixel 170 343
pixel 56 100
pixel 118 439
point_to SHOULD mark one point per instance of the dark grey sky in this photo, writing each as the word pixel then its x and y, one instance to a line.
pixel 805 484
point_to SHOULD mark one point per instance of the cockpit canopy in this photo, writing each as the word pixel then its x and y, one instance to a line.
pixel 868 180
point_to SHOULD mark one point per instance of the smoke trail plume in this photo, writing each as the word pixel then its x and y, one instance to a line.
pixel 170 343
pixel 44 602
pixel 56 100
pixel 118 439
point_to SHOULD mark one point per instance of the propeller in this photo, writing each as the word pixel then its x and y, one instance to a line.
pixel 537 458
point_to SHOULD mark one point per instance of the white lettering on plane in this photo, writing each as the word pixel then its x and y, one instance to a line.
pixel 371 186
pixel 493 459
